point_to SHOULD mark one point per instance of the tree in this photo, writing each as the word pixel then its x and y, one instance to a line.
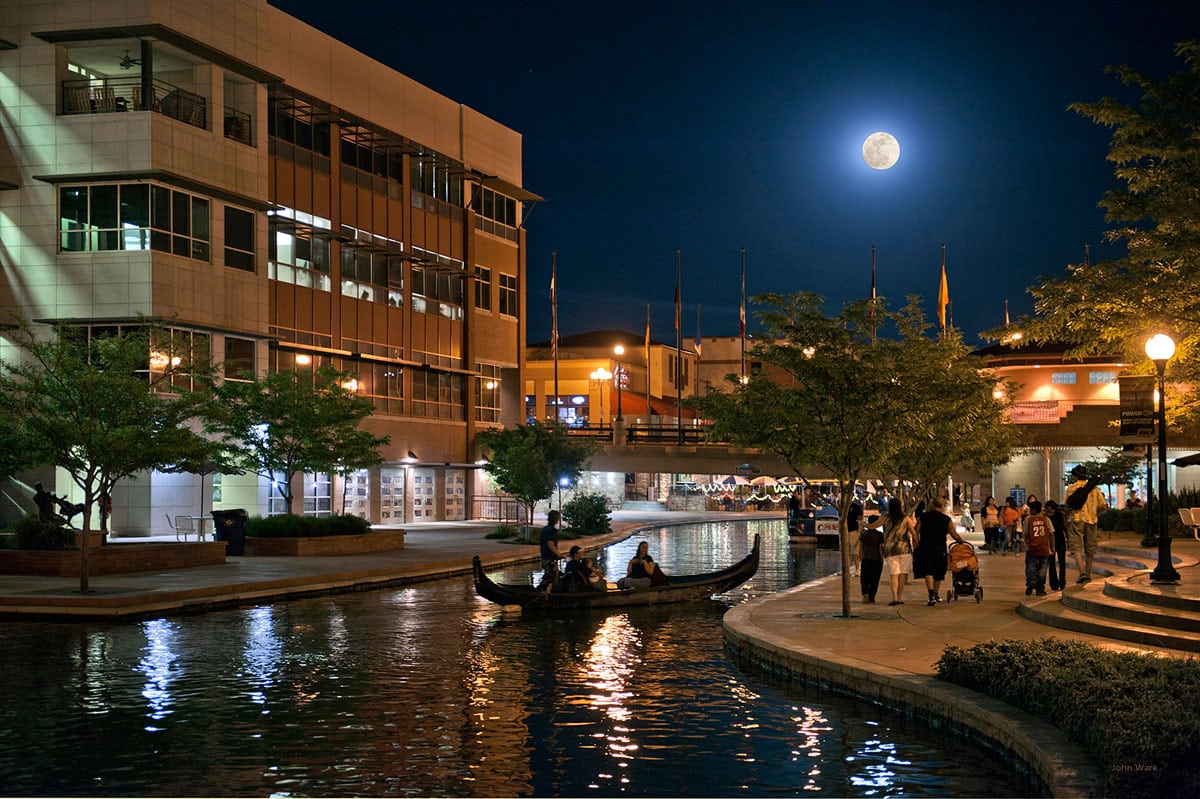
pixel 958 419
pixel 99 408
pixel 527 461
pixel 1112 307
pixel 294 421
pixel 854 403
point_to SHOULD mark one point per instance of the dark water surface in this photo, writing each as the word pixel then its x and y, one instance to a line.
pixel 428 691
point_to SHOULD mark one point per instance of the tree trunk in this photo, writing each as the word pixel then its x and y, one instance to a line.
pixel 844 500
pixel 83 543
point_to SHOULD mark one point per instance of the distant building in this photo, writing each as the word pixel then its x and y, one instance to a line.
pixel 1070 410
pixel 659 375
pixel 290 203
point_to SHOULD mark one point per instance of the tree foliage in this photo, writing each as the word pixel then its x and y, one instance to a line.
pixel 840 398
pixel 1112 307
pixel 527 461
pixel 294 421
pixel 98 408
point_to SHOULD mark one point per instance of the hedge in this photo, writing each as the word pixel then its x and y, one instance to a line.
pixel 306 526
pixel 1135 715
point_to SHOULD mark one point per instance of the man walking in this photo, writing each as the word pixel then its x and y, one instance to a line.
pixel 1084 504
pixel 1039 549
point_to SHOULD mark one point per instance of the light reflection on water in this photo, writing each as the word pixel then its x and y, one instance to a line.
pixel 429 691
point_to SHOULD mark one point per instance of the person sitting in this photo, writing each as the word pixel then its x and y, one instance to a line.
pixel 642 571
pixel 581 574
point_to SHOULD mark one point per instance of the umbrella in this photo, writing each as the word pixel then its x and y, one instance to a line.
pixel 764 481
pixel 1187 460
pixel 733 480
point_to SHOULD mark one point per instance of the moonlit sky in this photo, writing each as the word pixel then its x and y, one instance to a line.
pixel 707 127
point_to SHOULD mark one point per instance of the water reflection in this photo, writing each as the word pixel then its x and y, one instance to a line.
pixel 430 691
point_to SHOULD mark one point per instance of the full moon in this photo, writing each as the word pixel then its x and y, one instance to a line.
pixel 881 150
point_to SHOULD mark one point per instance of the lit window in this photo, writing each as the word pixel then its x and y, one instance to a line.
pixel 1063 378
pixel 1102 377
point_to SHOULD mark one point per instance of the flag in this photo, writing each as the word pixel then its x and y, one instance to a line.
pixel 1006 319
pixel 697 331
pixel 647 332
pixel 943 292
pixel 554 305
pixel 872 308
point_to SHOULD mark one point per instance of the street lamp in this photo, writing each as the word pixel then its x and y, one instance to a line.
pixel 1160 347
pixel 619 351
pixel 563 482
pixel 600 379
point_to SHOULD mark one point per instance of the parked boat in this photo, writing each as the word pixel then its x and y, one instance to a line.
pixel 680 589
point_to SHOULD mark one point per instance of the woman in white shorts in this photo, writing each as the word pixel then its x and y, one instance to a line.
pixel 897 547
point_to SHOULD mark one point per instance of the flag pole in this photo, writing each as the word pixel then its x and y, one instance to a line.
pixel 649 407
pixel 874 324
pixel 554 325
pixel 678 346
pixel 742 316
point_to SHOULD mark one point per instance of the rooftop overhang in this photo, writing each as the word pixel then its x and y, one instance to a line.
pixel 163 34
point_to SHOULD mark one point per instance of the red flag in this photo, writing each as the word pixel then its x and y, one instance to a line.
pixel 943 293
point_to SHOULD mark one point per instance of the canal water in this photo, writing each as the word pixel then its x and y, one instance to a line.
pixel 429 691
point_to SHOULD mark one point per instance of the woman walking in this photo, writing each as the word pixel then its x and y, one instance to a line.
pixel 989 517
pixel 929 556
pixel 897 547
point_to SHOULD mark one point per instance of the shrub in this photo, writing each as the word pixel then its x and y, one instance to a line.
pixel 587 514
pixel 306 526
pixel 33 533
pixel 1133 714
pixel 503 531
pixel 1124 519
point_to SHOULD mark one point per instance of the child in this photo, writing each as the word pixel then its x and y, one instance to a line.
pixel 1039 549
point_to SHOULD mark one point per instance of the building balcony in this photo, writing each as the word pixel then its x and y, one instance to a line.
pixel 111 95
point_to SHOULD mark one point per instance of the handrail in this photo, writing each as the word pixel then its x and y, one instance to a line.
pixel 111 95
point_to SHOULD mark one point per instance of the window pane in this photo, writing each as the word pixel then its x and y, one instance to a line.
pixel 135 205
pixel 239 229
pixel 73 206
pixel 160 209
pixel 239 357
pixel 200 219
pixel 104 213
pixel 181 222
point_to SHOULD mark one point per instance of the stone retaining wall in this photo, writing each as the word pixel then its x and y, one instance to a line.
pixel 113 559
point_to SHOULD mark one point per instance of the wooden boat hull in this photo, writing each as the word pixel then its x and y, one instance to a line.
pixel 687 588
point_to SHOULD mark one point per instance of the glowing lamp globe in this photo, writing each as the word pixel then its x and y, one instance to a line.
pixel 1160 347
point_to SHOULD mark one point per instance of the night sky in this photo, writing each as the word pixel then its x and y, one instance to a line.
pixel 707 127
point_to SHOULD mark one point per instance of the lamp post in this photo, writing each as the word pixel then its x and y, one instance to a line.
pixel 619 351
pixel 1160 347
pixel 600 379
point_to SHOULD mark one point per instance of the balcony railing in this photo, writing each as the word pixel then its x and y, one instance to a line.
pixel 108 95
pixel 237 126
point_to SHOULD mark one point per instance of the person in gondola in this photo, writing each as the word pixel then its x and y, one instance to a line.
pixel 642 571
pixel 793 510
pixel 581 574
pixel 549 550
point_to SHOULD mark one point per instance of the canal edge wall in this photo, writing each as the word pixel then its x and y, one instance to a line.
pixel 1044 751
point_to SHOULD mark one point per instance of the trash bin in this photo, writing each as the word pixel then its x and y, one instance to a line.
pixel 230 526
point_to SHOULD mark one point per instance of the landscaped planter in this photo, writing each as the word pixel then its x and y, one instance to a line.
pixel 112 559
pixel 317 546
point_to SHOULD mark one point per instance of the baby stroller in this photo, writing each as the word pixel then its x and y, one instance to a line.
pixel 963 566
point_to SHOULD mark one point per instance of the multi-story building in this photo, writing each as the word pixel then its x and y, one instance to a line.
pixel 287 202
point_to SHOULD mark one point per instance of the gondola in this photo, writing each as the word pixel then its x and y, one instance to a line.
pixel 680 589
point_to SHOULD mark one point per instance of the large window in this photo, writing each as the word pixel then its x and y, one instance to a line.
pixel 483 288
pixel 508 295
pixel 299 132
pixel 437 291
pixel 133 216
pixel 298 255
pixel 184 353
pixel 384 384
pixel 437 395
pixel 435 177
pixel 239 359
pixel 239 238
pixel 487 393
pixel 495 213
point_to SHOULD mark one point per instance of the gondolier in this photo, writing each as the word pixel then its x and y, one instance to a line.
pixel 550 553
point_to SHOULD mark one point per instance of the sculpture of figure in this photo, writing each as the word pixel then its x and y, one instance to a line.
pixel 45 503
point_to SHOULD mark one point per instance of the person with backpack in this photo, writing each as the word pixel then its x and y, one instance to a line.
pixel 1084 504
pixel 1039 548
pixel 1058 561
pixel 1010 517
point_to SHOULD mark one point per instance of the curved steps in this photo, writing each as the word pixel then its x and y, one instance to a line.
pixel 1124 605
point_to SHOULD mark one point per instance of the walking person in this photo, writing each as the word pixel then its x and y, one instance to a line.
pixel 897 546
pixel 1010 517
pixel 929 556
pixel 1039 549
pixel 870 561
pixel 1058 561
pixel 1084 504
pixel 989 517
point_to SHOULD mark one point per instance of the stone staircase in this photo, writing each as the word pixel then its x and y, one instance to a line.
pixel 642 505
pixel 1121 603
